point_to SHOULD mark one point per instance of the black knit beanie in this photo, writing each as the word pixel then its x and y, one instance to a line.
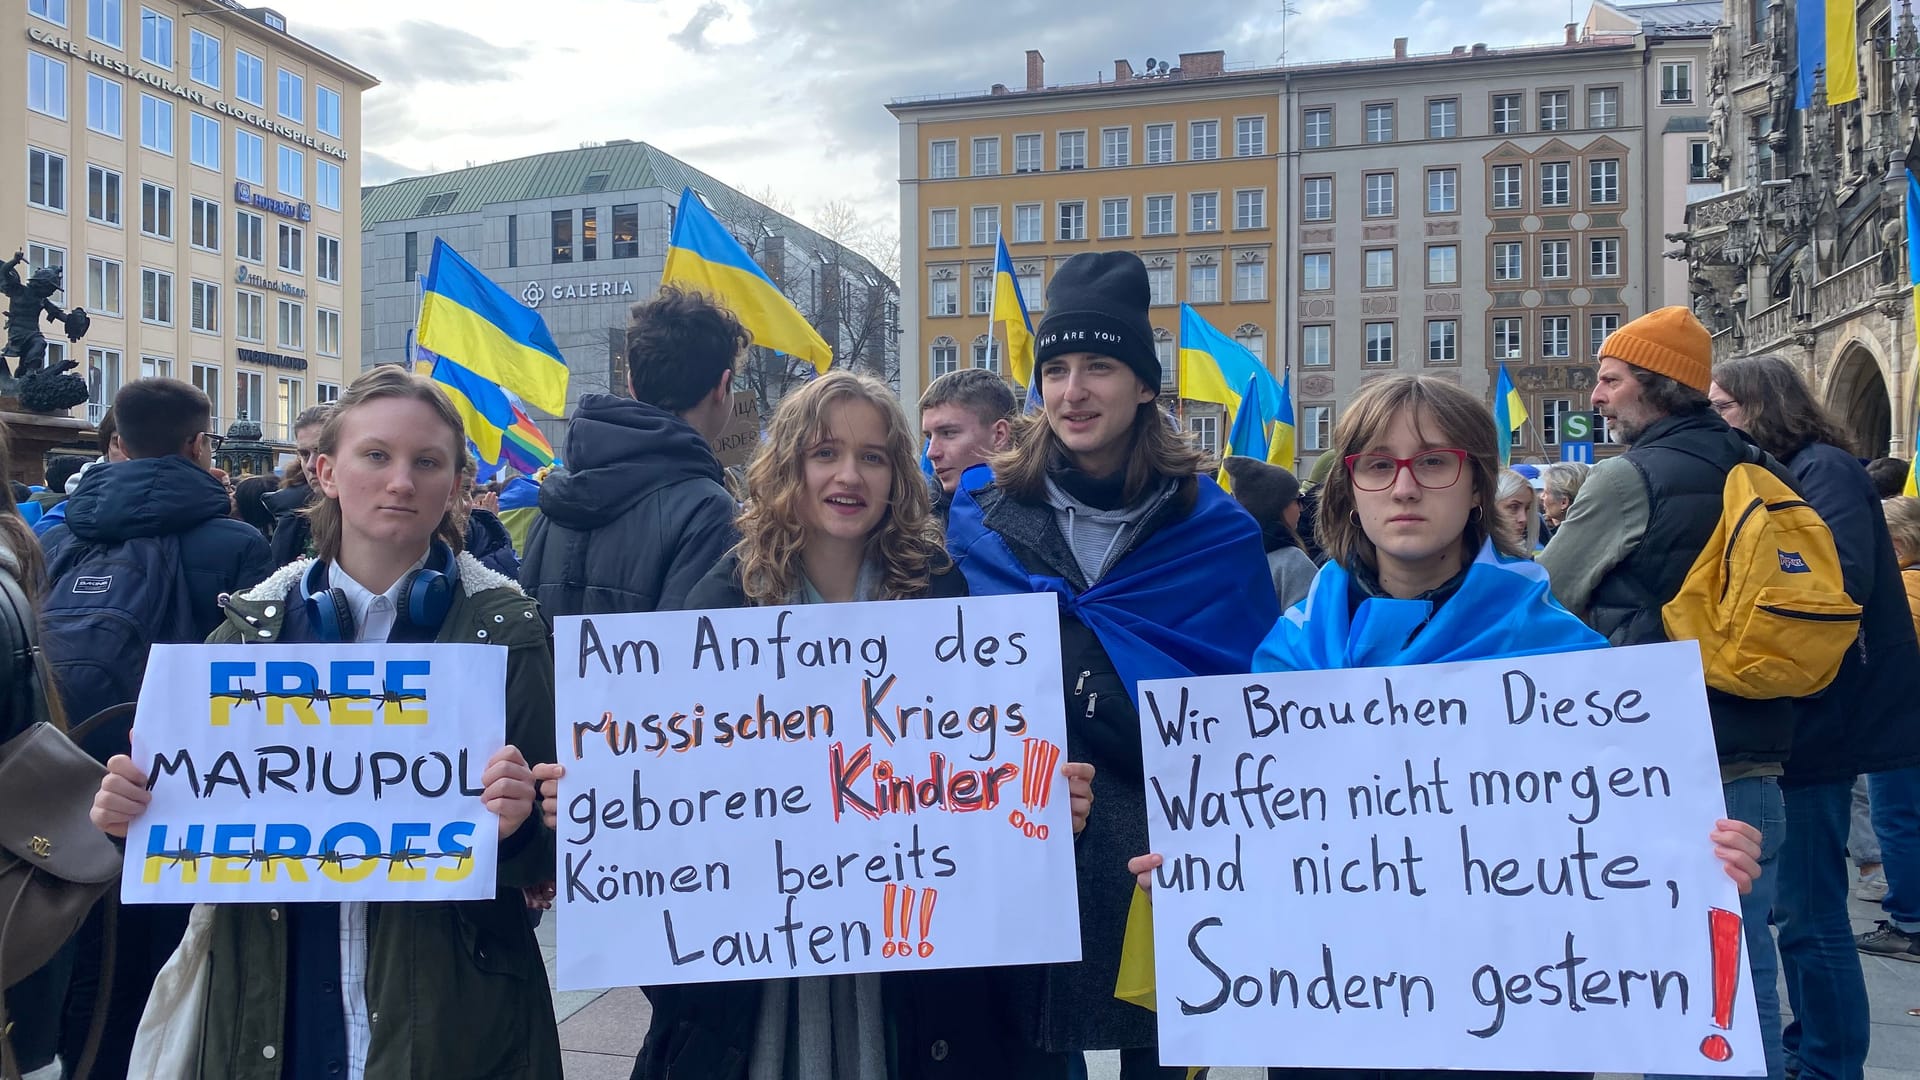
pixel 1097 303
pixel 1265 490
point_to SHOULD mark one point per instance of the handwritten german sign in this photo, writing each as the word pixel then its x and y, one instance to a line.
pixel 772 792
pixel 1493 865
pixel 316 772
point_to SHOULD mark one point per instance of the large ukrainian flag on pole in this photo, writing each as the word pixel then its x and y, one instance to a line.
pixel 1247 437
pixel 1826 33
pixel 1509 414
pixel 1011 308
pixel 471 321
pixel 1213 365
pixel 704 257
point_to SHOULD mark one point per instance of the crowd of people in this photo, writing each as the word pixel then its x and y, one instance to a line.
pixel 1410 543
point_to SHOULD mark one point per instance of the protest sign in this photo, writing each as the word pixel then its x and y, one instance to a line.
pixel 1492 865
pixel 773 792
pixel 316 772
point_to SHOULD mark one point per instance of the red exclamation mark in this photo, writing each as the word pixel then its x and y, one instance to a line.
pixel 926 919
pixel 1723 933
pixel 886 915
pixel 1041 757
pixel 906 923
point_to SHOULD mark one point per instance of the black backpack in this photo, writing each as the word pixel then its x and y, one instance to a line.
pixel 108 604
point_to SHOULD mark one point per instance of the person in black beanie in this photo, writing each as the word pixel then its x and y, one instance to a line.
pixel 1102 501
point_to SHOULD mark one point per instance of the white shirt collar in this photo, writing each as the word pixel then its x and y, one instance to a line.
pixel 373 614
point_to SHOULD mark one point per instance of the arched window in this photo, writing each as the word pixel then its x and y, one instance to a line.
pixel 944 355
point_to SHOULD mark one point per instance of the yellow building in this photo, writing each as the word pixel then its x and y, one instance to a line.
pixel 195 168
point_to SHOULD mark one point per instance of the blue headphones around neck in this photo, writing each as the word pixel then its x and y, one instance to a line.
pixel 426 595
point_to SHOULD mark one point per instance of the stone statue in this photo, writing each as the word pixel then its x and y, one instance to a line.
pixel 1906 73
pixel 1891 237
pixel 1719 149
pixel 1780 98
pixel 28 302
pixel 1804 273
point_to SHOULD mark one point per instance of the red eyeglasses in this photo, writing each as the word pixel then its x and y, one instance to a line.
pixel 1431 469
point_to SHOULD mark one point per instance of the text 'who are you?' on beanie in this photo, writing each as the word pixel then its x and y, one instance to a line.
pixel 1097 303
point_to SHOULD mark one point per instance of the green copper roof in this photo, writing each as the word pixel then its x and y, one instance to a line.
pixel 620 166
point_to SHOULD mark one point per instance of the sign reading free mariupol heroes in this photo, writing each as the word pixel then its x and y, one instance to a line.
pixel 316 772
pixel 1493 865
pixel 787 791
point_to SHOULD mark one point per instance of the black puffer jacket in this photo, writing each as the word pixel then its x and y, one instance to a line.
pixel 488 541
pixel 291 532
pixel 637 518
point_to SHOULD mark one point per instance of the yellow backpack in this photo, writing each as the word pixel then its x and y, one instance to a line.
pixel 1765 599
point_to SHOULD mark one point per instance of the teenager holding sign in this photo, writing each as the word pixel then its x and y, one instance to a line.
pixel 388 991
pixel 1421 571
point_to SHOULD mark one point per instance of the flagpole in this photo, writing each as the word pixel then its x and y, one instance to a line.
pixel 993 302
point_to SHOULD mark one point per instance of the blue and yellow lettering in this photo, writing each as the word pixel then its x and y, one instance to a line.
pixel 342 706
pixel 291 840
pixel 407 701
pixel 404 833
pixel 159 853
pixel 232 844
pixel 350 869
pixel 225 675
pixel 291 685
pixel 455 838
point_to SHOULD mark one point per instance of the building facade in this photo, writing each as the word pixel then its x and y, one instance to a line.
pixel 1804 254
pixel 1439 214
pixel 195 169
pixel 581 236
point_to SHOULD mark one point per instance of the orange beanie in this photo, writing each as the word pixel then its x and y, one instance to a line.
pixel 1669 341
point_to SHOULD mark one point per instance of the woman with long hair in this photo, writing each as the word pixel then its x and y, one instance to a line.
pixel 1421 570
pixel 1159 574
pixel 1514 503
pixel 389 990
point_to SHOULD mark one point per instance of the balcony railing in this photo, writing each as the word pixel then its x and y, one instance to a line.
pixel 1846 291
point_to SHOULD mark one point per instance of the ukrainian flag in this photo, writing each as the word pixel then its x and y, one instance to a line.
pixel 471 321
pixel 1213 364
pixel 704 257
pixel 1248 435
pixel 1011 308
pixel 1826 33
pixel 1281 445
pixel 1509 414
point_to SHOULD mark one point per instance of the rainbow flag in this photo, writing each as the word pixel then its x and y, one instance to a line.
pixel 523 447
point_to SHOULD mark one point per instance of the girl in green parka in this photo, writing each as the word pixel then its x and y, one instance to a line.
pixel 389 991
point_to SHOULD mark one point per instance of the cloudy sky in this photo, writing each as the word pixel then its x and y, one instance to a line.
pixel 791 93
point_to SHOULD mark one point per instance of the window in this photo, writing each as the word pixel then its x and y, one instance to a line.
pixel 1508 262
pixel 1072 153
pixel 292 325
pixel 1676 83
pixel 1379 268
pixel 1443 341
pixel 1116 147
pixel 1443 191
pixel 1552 410
pixel 1250 281
pixel 1316 346
pixel 1603 181
pixel 1030 291
pixel 1250 136
pixel 288 399
pixel 249 157
pixel 1556 183
pixel 1556 259
pixel 945 356
pixel 156 367
pixel 39 255
pixel 984 356
pixel 1027 152
pixel 1379 343
pixel 1160 286
pixel 326 110
pixel 1598 327
pixel 46 85
pixel 1169 362
pixel 944 298
pixel 1316 127
pixel 292 241
pixel 1758 128
pixel 106 106
pixel 54 11
pixel 982 294
pixel 1316 271
pixel 156 39
pixel 1603 107
pixel 249 79
pixel 326 332
pixel 1379 187
pixel 1603 257
pixel 1252 340
pixel 1026 223
pixel 1380 123
pixel 1203 140
pixel 1073 221
pixel 326 184
pixel 986 225
pixel 156 124
pixel 1699 162
pixel 249 237
pixel 986 157
pixel 1506 114
pixel 103 381
pixel 1159 144
pixel 203 58
pixel 106 21
pixel 326 259
pixel 1203 284
pixel 326 393
pixel 1556 337
pixel 1316 198
pixel 1116 217
pixel 291 173
pixel 156 210
pixel 1203 211
pixel 1159 215
pixel 1443 118
pixel 156 297
pixel 103 196
pixel 1250 209
pixel 1206 432
pixel 204 141
pixel 943 159
pixel 251 396
pixel 561 225
pixel 205 301
pixel 1553 110
pixel 626 231
pixel 249 316
pixel 1443 264
pixel 46 180
pixel 1319 427
pixel 292 98
pixel 206 379
pixel 103 286
pixel 1506 339
pixel 1506 187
